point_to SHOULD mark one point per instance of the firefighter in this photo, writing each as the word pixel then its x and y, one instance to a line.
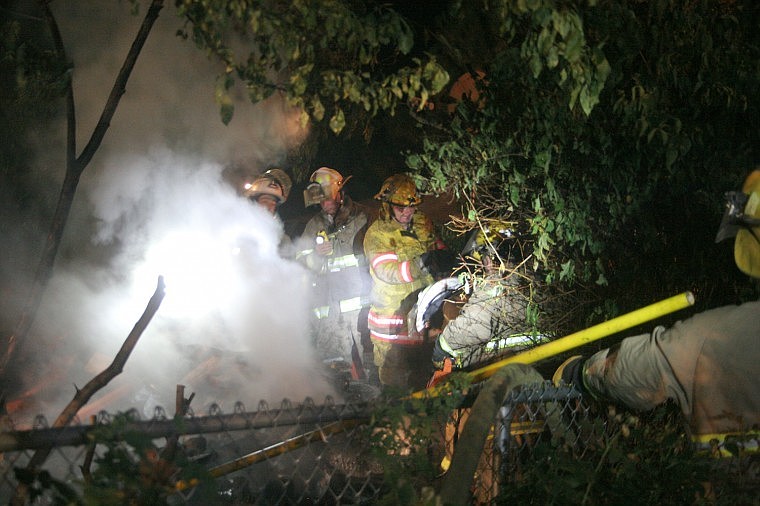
pixel 270 190
pixel 334 253
pixel 400 248
pixel 479 315
pixel 708 364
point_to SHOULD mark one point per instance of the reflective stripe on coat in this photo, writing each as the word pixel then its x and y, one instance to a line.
pixel 393 256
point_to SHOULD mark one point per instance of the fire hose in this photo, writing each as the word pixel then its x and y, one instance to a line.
pixel 533 355
pixel 576 339
pixel 274 450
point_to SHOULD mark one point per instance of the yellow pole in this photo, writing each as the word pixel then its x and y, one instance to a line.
pixel 271 451
pixel 585 336
pixel 551 349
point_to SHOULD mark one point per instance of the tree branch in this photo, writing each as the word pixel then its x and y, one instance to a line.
pixel 74 168
pixel 102 379
pixel 119 86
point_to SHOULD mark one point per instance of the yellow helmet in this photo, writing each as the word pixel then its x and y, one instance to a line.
pixel 267 184
pixel 324 183
pixel 491 236
pixel 400 190
pixel 742 219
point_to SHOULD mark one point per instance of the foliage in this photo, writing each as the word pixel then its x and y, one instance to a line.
pixel 131 470
pixel 41 486
pixel 407 438
pixel 322 56
pixel 652 449
pixel 630 182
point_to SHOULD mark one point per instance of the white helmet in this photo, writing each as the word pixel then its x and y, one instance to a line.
pixel 274 182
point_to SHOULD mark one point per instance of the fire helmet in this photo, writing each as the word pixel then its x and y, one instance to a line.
pixel 273 182
pixel 491 238
pixel 325 183
pixel 400 190
pixel 282 178
pixel 742 219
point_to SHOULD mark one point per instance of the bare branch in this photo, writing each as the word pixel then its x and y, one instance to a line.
pixel 102 379
pixel 119 86
pixel 74 168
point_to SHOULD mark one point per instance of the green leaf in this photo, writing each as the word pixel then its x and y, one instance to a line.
pixel 535 65
pixel 552 59
pixel 226 109
pixel 298 84
pixel 437 76
pixel 588 101
pixel 317 109
pixel 533 4
pixel 542 159
pixel 337 121
pixel 405 41
pixel 303 119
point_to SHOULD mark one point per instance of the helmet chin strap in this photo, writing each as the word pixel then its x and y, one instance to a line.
pixel 406 226
pixel 339 201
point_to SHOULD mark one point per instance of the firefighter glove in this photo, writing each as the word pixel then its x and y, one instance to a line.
pixel 439 355
pixel 439 262
pixel 570 372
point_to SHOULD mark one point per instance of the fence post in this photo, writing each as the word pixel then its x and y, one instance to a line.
pixel 479 424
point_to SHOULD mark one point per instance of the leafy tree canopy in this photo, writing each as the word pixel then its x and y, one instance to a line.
pixel 629 187
pixel 608 130
pixel 320 55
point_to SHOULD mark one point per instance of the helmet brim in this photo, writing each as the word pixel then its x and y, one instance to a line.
pixel 747 242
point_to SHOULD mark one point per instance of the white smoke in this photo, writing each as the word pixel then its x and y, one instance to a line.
pixel 154 201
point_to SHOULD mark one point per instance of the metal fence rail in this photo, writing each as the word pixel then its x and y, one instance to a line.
pixel 311 453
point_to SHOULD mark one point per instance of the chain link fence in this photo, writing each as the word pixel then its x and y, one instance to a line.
pixel 305 453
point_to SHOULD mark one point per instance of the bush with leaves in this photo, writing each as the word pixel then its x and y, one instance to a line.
pixel 130 469
pixel 406 434
pixel 637 459
pixel 610 131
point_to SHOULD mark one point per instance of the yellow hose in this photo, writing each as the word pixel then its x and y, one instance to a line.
pixel 551 349
pixel 269 452
pixel 583 337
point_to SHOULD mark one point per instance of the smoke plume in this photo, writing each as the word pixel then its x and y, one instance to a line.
pixel 161 198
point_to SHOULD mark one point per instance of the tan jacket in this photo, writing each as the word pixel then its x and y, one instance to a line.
pixel 708 364
pixel 341 278
pixel 346 233
pixel 490 323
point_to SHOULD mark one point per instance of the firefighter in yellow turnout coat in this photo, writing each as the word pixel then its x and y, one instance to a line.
pixel 397 246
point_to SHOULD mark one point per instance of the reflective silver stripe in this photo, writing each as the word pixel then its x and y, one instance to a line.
pixel 715 444
pixel 352 304
pixel 322 312
pixel 445 346
pixel 384 321
pixel 515 341
pixel 338 263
